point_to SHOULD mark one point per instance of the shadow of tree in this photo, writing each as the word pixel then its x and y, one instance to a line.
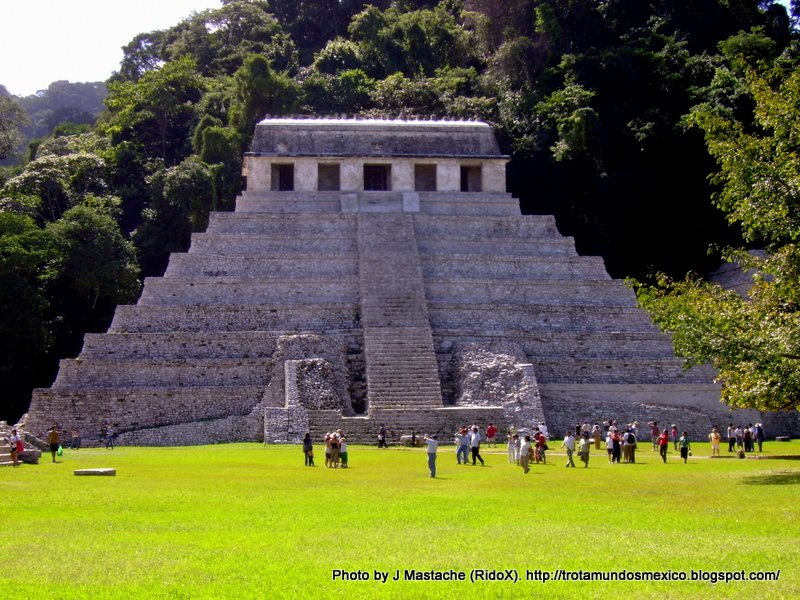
pixel 774 478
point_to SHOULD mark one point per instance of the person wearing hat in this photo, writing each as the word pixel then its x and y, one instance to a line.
pixel 714 437
pixel 433 444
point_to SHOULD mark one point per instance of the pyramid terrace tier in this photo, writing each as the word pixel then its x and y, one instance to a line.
pixel 223 291
pixel 99 373
pixel 568 344
pixel 306 318
pixel 171 345
pixel 91 409
pixel 495 320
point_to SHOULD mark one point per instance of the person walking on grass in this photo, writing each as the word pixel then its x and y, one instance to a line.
pixel 308 450
pixel 475 443
pixel 685 446
pixel 525 451
pixel 433 444
pixel 663 444
pixel 54 441
pixel 569 444
pixel 462 446
pixel 583 449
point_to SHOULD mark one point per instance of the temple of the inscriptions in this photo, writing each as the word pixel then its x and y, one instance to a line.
pixel 376 272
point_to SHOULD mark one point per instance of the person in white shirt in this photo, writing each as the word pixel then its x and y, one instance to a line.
pixel 433 444
pixel 475 443
pixel 525 453
pixel 569 444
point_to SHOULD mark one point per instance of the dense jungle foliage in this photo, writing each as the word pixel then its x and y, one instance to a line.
pixel 615 114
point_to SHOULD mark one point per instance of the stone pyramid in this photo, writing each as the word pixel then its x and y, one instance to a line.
pixel 375 272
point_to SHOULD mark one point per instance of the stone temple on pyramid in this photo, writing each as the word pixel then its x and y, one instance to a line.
pixel 376 272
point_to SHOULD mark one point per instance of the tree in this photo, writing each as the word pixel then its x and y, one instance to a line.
pixel 258 91
pixel 752 341
pixel 12 118
pixel 157 113
pixel 24 335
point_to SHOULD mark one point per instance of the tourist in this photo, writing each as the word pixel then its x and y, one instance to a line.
pixel 491 431
pixel 328 438
pixel 583 449
pixel 525 452
pixel 413 438
pixel 663 444
pixel 343 450
pixel 433 444
pixel 54 440
pixel 475 444
pixel 616 445
pixel 685 446
pixel 110 435
pixel 382 437
pixel 335 451
pixel 596 435
pixel 569 444
pixel 739 435
pixel 714 437
pixel 462 446
pixel 609 446
pixel 674 435
pixel 75 439
pixel 747 436
pixel 308 450
pixel 731 437
pixel 16 446
pixel 629 446
pixel 541 448
pixel 759 436
pixel 654 434
pixel 543 429
pixel 511 443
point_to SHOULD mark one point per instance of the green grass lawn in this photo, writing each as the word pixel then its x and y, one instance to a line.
pixel 250 521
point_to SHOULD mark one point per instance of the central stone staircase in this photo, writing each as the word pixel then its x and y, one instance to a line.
pixel 401 362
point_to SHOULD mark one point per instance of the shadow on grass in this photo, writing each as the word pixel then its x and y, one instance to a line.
pixel 774 478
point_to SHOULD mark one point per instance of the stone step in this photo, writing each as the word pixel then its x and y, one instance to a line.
pixel 642 371
pixel 129 408
pixel 283 225
pixel 201 291
pixel 252 204
pixel 503 268
pixel 263 267
pixel 466 246
pixel 545 344
pixel 519 319
pixel 83 373
pixel 466 292
pixel 308 318
pixel 275 246
pixel 494 227
pixel 179 345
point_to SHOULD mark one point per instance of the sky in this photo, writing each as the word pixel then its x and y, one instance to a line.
pixel 42 41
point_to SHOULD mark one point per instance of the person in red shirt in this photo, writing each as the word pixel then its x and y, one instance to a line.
pixel 663 444
pixel 491 431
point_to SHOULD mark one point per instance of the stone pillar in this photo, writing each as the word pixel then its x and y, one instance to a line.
pixel 494 176
pixel 402 176
pixel 305 175
pixel 257 170
pixel 448 176
pixel 352 175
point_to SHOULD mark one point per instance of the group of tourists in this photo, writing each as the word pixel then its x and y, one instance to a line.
pixel 335 450
pixel 524 448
